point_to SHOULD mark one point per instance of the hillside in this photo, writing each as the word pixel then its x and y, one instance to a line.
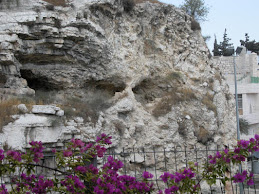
pixel 142 74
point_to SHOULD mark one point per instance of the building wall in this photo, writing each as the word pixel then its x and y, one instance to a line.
pixel 246 67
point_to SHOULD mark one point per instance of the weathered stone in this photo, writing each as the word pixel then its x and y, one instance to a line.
pixel 188 117
pixel 44 109
pixel 60 113
pixel 136 158
pixel 22 108
pixel 79 120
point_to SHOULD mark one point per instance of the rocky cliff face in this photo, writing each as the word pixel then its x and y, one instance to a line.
pixel 142 75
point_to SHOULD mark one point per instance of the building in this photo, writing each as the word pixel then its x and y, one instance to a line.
pixel 247 73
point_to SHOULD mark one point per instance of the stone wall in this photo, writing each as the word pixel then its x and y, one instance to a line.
pixel 246 66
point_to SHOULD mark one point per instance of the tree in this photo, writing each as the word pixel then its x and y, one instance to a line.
pixel 250 45
pixel 225 45
pixel 216 50
pixel 196 8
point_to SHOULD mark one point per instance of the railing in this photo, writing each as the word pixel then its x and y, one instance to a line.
pixel 157 161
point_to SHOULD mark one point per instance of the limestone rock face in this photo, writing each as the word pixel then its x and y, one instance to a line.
pixel 138 75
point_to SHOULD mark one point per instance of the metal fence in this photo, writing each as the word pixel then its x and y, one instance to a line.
pixel 157 161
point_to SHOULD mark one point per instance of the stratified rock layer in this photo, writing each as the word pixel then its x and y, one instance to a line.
pixel 143 75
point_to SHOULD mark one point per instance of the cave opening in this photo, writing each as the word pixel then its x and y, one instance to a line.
pixel 37 82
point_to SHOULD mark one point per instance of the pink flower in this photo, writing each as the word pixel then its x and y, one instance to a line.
pixel 165 176
pixel 237 150
pixel 106 139
pixel 14 155
pixel 85 148
pixel 226 151
pixel 81 169
pixel 250 182
pixel 1 154
pixel 67 153
pixel 213 161
pixel 239 178
pixel 77 143
pixel 147 175
pixel 218 155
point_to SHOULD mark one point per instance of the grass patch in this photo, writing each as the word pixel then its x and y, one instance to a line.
pixel 208 101
pixel 9 108
pixel 88 108
pixel 175 75
pixel 77 107
pixel 187 94
pixel 202 135
pixel 165 104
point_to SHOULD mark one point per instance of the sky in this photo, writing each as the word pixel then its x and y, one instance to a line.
pixel 237 16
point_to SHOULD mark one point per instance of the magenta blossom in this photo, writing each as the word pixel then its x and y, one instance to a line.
pixel 77 143
pixel 1 154
pixel 81 169
pixel 67 153
pixel 147 175
pixel 250 182
pixel 106 139
pixel 14 155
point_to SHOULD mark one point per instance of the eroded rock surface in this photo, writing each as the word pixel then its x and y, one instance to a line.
pixel 143 76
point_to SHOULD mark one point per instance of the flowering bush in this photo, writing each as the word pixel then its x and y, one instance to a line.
pixel 188 180
pixel 78 177
pixel 82 178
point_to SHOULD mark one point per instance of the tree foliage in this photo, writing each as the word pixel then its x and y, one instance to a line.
pixel 196 8
pixel 250 45
pixel 225 44
pixel 223 47
pixel 216 50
